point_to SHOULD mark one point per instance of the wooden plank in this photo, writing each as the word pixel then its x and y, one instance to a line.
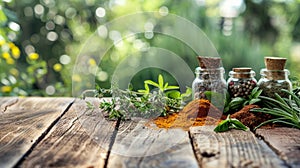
pixel 79 139
pixel 5 102
pixel 23 123
pixel 139 146
pixel 285 141
pixel 234 148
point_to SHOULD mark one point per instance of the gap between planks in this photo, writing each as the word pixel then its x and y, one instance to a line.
pixel 284 141
pixel 112 141
pixel 194 149
pixel 22 124
pixel 39 139
pixel 80 138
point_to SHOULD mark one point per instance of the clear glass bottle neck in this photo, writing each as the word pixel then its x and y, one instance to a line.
pixel 242 75
pixel 210 74
pixel 275 74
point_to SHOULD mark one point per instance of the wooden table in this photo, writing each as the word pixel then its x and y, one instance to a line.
pixel 63 132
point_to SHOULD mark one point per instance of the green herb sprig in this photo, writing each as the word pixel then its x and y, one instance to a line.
pixel 285 110
pixel 238 103
pixel 143 103
pixel 230 123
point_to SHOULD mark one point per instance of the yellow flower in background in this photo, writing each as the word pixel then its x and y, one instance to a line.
pixel 11 45
pixel 6 89
pixel 92 62
pixel 6 55
pixel 76 78
pixel 2 42
pixel 33 56
pixel 57 67
pixel 10 61
pixel 14 72
pixel 15 52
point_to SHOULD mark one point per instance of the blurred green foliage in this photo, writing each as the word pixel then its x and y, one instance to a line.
pixel 54 31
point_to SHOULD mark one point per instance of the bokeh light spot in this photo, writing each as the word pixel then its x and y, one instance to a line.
pixel 70 13
pixel 102 76
pixel 102 31
pixel 14 26
pixel 52 36
pixel 50 90
pixel 39 9
pixel 50 25
pixel 100 12
pixel 164 11
pixel 64 59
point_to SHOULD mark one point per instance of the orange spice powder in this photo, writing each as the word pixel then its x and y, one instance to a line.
pixel 197 113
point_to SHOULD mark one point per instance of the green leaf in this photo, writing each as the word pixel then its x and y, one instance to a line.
pixel 296 98
pixel 174 94
pixel 238 100
pixel 226 109
pixel 236 103
pixel 150 82
pixel 89 105
pixel 161 82
pixel 172 87
pixel 229 123
pixel 146 90
pixel 282 105
pixel 11 16
pixel 3 18
pixel 238 125
pixel 253 101
pixel 257 93
pixel 187 93
pixel 222 126
pixel 280 99
pixel 254 90
pixel 130 87
pixel 166 85
pixel 147 87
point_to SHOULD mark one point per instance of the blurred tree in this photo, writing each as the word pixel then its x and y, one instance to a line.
pixel 243 30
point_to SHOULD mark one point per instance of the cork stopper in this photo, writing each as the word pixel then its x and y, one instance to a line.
pixel 242 69
pixel 241 72
pixel 209 62
pixel 275 63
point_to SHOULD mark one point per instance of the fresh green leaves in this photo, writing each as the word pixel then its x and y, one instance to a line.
pixel 144 102
pixel 146 90
pixel 238 103
pixel 89 105
pixel 285 110
pixel 160 85
pixel 110 107
pixel 230 123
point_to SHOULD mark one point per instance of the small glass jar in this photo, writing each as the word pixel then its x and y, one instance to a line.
pixel 208 80
pixel 272 81
pixel 241 82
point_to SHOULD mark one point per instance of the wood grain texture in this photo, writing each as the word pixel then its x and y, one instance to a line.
pixel 285 141
pixel 5 102
pixel 234 148
pixel 139 146
pixel 70 144
pixel 24 122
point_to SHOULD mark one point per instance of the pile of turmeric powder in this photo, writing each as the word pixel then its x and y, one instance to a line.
pixel 197 113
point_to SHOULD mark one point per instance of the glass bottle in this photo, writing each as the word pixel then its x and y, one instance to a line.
pixel 208 80
pixel 241 82
pixel 272 81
